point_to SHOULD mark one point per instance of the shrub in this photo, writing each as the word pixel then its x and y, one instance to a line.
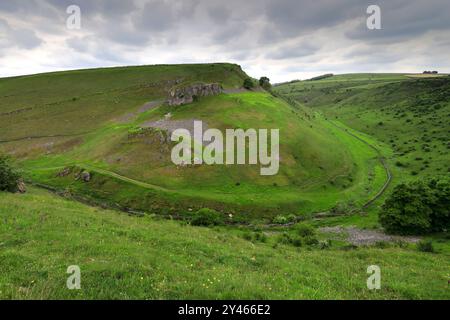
pixel 306 235
pixel 342 208
pixel 282 219
pixel 425 246
pixel 9 177
pixel 291 217
pixel 207 217
pixel 286 238
pixel 305 230
pixel 310 240
pixel 297 242
pixel 261 237
pixel 417 208
pixel 248 83
pixel 255 237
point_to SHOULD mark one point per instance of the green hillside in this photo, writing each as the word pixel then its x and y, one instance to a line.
pixel 407 114
pixel 309 232
pixel 125 257
pixel 97 120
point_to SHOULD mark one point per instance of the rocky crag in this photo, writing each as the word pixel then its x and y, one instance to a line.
pixel 187 94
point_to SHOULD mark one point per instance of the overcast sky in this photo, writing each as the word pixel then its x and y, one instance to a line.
pixel 283 39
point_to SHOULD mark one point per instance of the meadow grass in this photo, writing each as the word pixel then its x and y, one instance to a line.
pixel 126 257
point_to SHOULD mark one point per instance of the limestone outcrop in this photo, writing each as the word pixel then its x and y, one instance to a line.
pixel 187 94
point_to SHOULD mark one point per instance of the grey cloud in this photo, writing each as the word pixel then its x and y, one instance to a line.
pixel 26 39
pixel 406 21
pixel 157 16
pixel 259 31
pixel 106 8
pixel 18 37
pixel 219 13
pixel 374 55
pixel 287 18
pixel 305 48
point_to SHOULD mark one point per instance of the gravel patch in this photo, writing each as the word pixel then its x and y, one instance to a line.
pixel 360 237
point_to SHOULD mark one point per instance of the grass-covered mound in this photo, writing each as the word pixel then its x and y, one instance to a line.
pixel 94 120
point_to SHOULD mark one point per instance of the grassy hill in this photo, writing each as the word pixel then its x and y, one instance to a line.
pixel 406 114
pixel 341 140
pixel 129 257
pixel 92 120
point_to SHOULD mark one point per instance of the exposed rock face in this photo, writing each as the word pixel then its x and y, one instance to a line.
pixel 187 94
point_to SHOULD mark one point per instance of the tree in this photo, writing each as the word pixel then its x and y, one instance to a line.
pixel 264 82
pixel 417 208
pixel 440 217
pixel 8 176
pixel 248 83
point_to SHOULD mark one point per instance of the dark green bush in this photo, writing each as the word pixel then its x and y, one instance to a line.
pixel 305 230
pixel 342 208
pixel 296 242
pixel 207 217
pixel 310 240
pixel 9 177
pixel 306 236
pixel 264 82
pixel 417 208
pixel 255 237
pixel 261 237
pixel 425 246
pixel 286 238
pixel 248 83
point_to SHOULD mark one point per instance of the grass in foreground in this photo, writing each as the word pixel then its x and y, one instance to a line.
pixel 123 257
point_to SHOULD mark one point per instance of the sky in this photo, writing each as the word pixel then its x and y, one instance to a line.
pixel 281 39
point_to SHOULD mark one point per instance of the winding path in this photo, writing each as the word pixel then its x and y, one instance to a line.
pixel 382 161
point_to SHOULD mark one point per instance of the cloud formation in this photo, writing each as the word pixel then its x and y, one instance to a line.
pixel 283 39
